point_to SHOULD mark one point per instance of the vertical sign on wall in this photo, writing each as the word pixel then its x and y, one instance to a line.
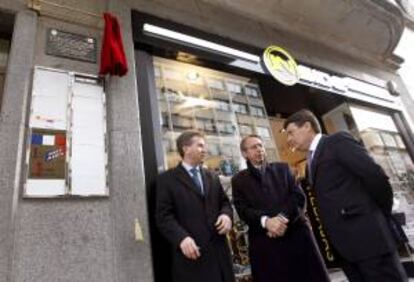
pixel 66 148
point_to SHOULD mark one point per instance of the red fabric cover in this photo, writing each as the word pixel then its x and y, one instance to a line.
pixel 113 60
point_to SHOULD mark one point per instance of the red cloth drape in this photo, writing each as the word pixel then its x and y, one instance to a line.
pixel 113 60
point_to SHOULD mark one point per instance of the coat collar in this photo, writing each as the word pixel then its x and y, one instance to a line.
pixel 317 154
pixel 185 178
pixel 258 173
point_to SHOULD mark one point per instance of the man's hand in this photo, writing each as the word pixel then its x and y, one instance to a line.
pixel 189 248
pixel 223 224
pixel 276 226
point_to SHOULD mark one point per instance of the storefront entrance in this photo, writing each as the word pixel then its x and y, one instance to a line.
pixel 180 89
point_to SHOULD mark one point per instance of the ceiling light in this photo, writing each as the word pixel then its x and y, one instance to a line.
pixel 181 37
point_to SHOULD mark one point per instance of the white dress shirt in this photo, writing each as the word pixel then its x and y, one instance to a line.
pixel 188 168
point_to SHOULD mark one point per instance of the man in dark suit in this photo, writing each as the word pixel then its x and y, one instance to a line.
pixel 194 214
pixel 281 245
pixel 355 199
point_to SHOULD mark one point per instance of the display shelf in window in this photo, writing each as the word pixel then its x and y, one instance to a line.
pixel 172 74
pixel 164 119
pixel 173 85
pixel 160 93
pixel 388 139
pixel 371 139
pixel 263 132
pixel 234 88
pixel 240 108
pixel 245 129
pixel 257 111
pixel 206 125
pixel 181 122
pixel 219 94
pixel 222 105
pixel 399 141
pixel 157 71
pixel 252 91
pixel 225 127
pixel 215 84
pixel 198 91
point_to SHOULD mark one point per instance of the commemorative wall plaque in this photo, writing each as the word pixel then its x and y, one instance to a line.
pixel 71 46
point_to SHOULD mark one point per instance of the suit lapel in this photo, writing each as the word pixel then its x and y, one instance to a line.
pixel 316 156
pixel 206 182
pixel 183 176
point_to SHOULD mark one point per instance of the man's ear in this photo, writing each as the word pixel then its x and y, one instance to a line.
pixel 244 154
pixel 307 125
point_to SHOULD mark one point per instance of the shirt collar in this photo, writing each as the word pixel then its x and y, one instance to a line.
pixel 315 142
pixel 189 167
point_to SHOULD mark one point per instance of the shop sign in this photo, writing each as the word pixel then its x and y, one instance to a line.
pixel 281 65
pixel 341 85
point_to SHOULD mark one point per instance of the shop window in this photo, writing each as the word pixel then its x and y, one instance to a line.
pixel 181 122
pixel 225 127
pixel 215 84
pixel 206 125
pixel 222 105
pixel 245 129
pixel 234 88
pixel 379 134
pixel 240 108
pixel 218 104
pixel 172 74
pixel 157 71
pixel 252 91
pixel 164 119
pixel 263 132
pixel 257 111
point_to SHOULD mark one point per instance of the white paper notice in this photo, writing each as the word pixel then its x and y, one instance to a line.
pixel 49 99
pixel 88 170
pixel 45 187
pixel 88 156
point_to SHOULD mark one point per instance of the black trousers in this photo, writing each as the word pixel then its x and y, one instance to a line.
pixel 385 268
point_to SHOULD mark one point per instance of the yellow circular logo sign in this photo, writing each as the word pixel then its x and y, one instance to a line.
pixel 281 65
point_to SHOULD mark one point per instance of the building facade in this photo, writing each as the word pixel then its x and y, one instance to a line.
pixel 348 74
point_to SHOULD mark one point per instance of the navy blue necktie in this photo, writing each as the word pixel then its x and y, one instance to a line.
pixel 194 176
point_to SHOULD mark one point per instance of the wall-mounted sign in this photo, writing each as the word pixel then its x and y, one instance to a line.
pixel 47 154
pixel 72 46
pixel 281 65
pixel 347 86
pixel 66 149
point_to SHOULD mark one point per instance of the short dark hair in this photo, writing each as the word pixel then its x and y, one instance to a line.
pixel 244 140
pixel 185 140
pixel 302 116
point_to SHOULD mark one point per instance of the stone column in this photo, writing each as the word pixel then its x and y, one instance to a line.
pixel 12 131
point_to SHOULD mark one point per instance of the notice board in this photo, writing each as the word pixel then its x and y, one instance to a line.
pixel 66 147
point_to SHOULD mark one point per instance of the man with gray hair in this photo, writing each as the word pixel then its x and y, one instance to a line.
pixel 281 244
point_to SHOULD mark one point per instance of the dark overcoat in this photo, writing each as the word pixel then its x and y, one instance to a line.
pixel 181 211
pixel 293 257
pixel 354 197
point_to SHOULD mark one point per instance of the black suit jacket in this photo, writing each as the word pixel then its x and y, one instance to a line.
pixel 181 211
pixel 354 196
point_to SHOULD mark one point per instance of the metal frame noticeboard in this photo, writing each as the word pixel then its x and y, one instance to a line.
pixel 67 137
